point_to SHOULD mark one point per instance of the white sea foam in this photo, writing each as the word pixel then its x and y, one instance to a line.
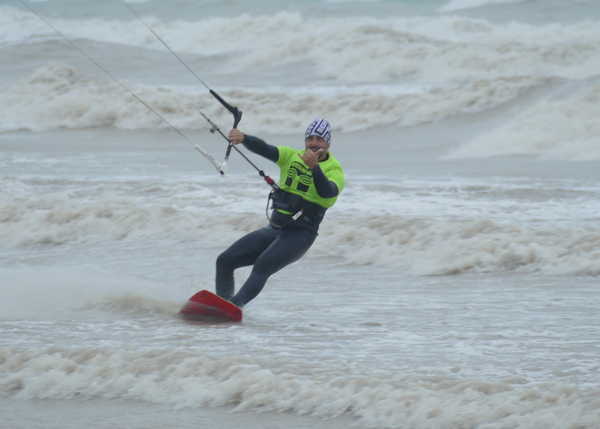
pixel 58 96
pixel 562 126
pixel 445 66
pixel 187 379
pixel 352 1
pixel 75 291
pixel 36 212
pixel 434 49
pixel 440 247
pixel 455 5
pixel 408 233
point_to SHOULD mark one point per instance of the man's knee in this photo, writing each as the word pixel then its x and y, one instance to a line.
pixel 267 265
pixel 225 260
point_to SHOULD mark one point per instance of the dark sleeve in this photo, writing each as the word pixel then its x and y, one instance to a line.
pixel 260 147
pixel 325 187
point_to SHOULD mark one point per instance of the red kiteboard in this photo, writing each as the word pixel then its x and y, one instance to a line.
pixel 207 307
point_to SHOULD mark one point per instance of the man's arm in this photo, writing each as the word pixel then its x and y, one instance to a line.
pixel 260 147
pixel 254 144
pixel 325 187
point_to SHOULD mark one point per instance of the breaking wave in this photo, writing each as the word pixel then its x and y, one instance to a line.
pixel 422 244
pixel 188 379
pixel 59 96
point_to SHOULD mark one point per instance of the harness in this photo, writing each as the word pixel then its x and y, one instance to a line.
pixel 287 208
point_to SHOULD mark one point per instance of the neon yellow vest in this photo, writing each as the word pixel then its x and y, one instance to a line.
pixel 296 178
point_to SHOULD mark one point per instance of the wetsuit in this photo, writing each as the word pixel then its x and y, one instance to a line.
pixel 298 209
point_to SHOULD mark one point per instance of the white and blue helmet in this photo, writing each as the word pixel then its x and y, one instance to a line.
pixel 319 127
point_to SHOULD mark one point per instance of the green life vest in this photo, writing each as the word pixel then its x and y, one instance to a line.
pixel 296 178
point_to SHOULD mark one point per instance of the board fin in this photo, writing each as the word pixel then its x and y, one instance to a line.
pixel 205 306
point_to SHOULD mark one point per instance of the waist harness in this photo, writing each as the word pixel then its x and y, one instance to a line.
pixel 288 208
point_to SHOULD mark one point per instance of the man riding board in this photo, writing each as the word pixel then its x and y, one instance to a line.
pixel 310 181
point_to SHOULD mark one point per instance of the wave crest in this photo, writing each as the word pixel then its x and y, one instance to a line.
pixel 58 96
pixel 188 379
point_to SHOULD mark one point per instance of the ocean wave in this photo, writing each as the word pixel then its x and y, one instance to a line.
pixel 127 210
pixel 455 5
pixel 560 126
pixel 190 379
pixel 424 244
pixel 427 69
pixel 366 73
pixel 58 96
pixel 426 49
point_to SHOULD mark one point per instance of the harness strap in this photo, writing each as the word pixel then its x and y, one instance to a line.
pixel 288 207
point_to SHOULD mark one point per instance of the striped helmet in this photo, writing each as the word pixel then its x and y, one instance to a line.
pixel 319 127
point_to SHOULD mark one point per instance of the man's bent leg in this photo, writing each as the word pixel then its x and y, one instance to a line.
pixel 240 254
pixel 287 248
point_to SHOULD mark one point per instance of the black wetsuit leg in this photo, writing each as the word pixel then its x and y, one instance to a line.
pixel 242 253
pixel 289 246
pixel 282 248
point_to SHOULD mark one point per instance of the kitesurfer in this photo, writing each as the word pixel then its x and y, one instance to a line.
pixel 310 181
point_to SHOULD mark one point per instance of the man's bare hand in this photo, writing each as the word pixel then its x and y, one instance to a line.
pixel 312 158
pixel 236 136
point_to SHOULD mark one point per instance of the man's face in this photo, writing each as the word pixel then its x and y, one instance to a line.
pixel 315 143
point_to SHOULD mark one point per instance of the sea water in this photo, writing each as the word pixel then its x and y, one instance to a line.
pixel 453 285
